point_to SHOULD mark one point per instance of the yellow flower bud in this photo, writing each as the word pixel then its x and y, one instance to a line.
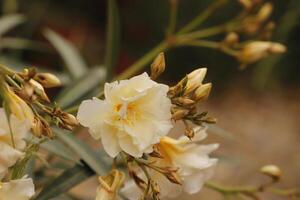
pixel 195 79
pixel 47 80
pixel 271 170
pixel 264 12
pixel 254 51
pixel 202 92
pixel 110 185
pixel 158 66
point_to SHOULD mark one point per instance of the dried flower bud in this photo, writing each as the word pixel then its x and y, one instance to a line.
pixel 110 185
pixel 16 105
pixel 189 132
pixel 171 175
pixel 41 127
pixel 69 119
pixel 158 66
pixel 257 50
pixel 39 90
pixel 202 92
pixel 186 102
pixel 264 12
pixel 47 80
pixel 247 4
pixel 155 153
pixel 272 170
pixel 195 79
pixel 179 114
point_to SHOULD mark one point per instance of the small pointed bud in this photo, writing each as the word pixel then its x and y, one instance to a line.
pixel 110 185
pixel 195 79
pixel 264 12
pixel 185 101
pixel 254 51
pixel 158 66
pixel 272 170
pixel 156 153
pixel 231 39
pixel 202 92
pixel 47 80
pixel 37 127
pixel 189 132
pixel 39 90
pixel 179 114
pixel 172 176
pixel 69 119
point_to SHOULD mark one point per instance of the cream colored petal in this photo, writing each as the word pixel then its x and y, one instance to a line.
pixel 194 183
pixel 8 156
pixel 131 191
pixel 91 113
pixel 20 130
pixel 21 189
pixel 109 139
pixel 129 147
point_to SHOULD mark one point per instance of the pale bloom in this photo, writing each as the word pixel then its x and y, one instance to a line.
pixel 192 160
pixel 110 185
pixel 134 115
pixel 10 151
pixel 21 189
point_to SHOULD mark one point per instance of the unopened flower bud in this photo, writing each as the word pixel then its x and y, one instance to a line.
pixel 257 50
pixel 185 101
pixel 110 185
pixel 202 92
pixel 47 80
pixel 231 39
pixel 190 133
pixel 39 90
pixel 195 79
pixel 264 12
pixel 171 175
pixel 41 128
pixel 69 119
pixel 158 66
pixel 271 170
pixel 179 114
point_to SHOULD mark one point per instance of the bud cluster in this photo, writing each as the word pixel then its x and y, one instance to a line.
pixel 25 97
pixel 186 96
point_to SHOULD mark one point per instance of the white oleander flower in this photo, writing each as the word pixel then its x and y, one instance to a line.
pixel 9 152
pixel 192 160
pixel 134 115
pixel 21 189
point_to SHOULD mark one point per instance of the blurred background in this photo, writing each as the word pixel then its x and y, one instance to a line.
pixel 257 108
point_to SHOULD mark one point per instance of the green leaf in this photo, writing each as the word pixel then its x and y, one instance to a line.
pixel 81 87
pixel 69 53
pixel 68 179
pixel 58 148
pixel 20 43
pixel 112 37
pixel 92 158
pixel 8 22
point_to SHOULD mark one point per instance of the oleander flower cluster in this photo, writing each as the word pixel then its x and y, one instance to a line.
pixel 133 122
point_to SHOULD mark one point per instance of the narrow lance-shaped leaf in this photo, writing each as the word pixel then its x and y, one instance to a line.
pixel 69 53
pixel 81 87
pixel 8 22
pixel 86 153
pixel 112 37
pixel 67 180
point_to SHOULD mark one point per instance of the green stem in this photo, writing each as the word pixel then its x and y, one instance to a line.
pixel 231 189
pixel 173 17
pixel 197 21
pixel 139 64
